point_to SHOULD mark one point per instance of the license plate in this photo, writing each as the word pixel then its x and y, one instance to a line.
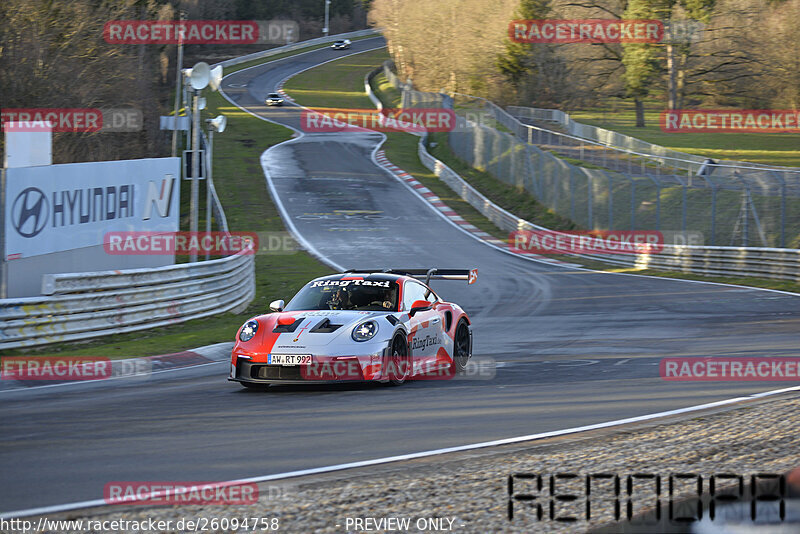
pixel 289 359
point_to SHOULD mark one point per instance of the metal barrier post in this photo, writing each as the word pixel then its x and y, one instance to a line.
pixel 3 253
pixel 783 208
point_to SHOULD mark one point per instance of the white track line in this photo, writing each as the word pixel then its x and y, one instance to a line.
pixel 422 454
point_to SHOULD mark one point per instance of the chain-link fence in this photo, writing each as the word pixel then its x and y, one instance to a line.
pixel 601 187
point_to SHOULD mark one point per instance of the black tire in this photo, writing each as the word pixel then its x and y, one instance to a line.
pixel 461 353
pixel 399 362
pixel 251 385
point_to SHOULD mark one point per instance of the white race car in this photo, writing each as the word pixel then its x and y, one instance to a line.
pixel 387 326
pixel 341 44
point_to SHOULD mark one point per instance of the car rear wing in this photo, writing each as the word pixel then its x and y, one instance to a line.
pixel 470 275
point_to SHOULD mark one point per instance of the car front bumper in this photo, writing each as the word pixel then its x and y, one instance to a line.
pixel 343 368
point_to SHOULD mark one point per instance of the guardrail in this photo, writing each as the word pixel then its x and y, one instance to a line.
pixel 89 305
pixel 762 262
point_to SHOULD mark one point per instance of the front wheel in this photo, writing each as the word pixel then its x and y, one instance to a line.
pixel 399 362
pixel 461 347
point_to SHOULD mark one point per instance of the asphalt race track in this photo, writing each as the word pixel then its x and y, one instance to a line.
pixel 573 347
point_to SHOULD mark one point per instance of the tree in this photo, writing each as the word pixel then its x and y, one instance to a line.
pixel 641 59
pixel 516 61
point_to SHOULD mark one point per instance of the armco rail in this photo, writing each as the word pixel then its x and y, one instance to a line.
pixel 87 305
pixel 295 46
pixel 77 306
pixel 775 263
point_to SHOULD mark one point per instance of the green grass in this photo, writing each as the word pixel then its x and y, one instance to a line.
pixel 240 183
pixel 765 148
pixel 338 84
pixel 389 95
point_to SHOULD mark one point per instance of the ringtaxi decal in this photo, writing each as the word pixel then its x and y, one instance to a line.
pixel 345 283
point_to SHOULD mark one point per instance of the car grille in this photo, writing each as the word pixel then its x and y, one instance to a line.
pixel 276 372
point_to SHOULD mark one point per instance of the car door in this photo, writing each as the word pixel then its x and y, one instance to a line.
pixel 426 332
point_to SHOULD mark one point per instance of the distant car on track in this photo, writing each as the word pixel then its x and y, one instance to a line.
pixel 342 44
pixel 386 326
pixel 274 99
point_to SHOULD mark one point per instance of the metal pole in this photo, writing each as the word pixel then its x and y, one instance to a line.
pixel 326 30
pixel 658 206
pixel 713 213
pixel 195 169
pixel 178 81
pixel 571 194
pixel 745 237
pixel 209 160
pixel 610 201
pixel 589 199
pixel 683 214
pixel 3 262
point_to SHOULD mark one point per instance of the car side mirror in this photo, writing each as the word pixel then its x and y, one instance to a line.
pixel 276 305
pixel 419 306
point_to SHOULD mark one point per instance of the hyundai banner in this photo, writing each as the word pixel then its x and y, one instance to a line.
pixel 56 208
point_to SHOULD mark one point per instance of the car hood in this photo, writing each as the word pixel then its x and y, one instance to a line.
pixel 309 329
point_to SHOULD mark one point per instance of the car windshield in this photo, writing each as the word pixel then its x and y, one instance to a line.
pixel 274 95
pixel 365 295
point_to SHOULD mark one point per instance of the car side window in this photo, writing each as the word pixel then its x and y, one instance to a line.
pixel 415 291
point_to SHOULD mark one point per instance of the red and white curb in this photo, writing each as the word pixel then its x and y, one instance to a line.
pixel 283 93
pixel 429 196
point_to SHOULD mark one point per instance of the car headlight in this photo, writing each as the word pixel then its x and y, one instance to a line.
pixel 365 331
pixel 248 330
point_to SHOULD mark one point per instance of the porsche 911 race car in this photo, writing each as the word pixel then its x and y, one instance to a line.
pixel 387 326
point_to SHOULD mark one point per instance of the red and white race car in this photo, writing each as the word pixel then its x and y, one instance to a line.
pixel 387 326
